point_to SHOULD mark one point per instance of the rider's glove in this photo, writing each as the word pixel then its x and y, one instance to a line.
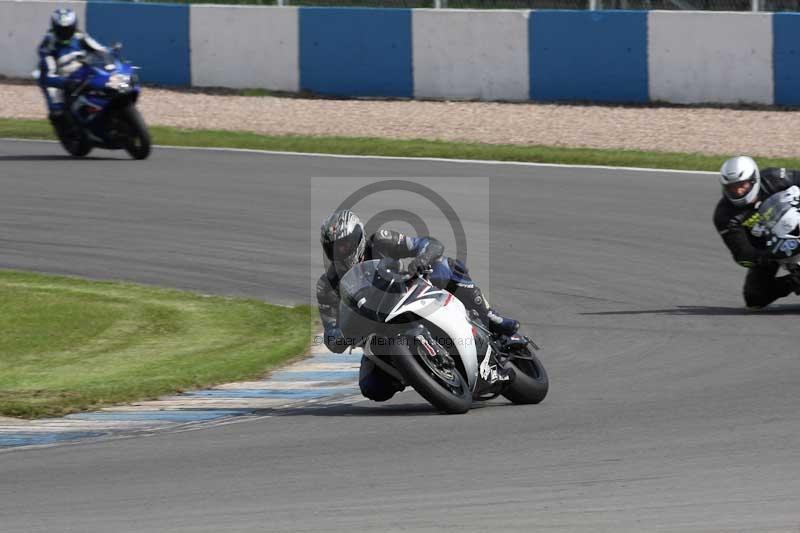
pixel 418 266
pixel 334 340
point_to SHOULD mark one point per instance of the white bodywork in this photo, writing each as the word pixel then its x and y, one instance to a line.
pixel 446 312
pixel 779 222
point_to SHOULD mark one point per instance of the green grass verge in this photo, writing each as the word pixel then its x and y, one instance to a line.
pixel 39 129
pixel 68 344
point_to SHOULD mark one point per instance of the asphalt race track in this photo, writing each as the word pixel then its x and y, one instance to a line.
pixel 670 407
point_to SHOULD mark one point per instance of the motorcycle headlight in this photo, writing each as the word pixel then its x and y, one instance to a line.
pixel 119 82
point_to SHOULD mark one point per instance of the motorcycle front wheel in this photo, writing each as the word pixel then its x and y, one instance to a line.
pixel 446 389
pixel 531 382
pixel 138 142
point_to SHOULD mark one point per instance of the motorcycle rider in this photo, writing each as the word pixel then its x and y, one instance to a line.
pixel 743 189
pixel 59 52
pixel 345 244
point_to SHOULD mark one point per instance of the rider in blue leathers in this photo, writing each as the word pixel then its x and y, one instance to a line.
pixel 61 47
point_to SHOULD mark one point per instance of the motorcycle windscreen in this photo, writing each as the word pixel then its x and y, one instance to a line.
pixel 773 209
pixel 367 296
pixel 779 213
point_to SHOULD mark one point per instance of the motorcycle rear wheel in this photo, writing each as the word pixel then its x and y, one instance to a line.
pixel 531 383
pixel 75 142
pixel 452 398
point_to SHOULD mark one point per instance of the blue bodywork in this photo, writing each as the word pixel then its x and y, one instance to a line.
pixel 102 84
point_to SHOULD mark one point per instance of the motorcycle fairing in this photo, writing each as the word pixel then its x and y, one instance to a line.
pixel 446 312
pixel 91 108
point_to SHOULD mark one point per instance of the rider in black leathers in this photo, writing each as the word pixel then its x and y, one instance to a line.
pixel 344 244
pixel 744 188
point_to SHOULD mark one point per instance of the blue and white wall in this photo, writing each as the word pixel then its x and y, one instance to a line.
pixel 22 26
pixel 582 55
pixel 700 58
pixel 155 36
pixel 470 54
pixel 600 56
pixel 245 47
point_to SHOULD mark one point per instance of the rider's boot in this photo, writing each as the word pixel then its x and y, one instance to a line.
pixel 500 325
pixel 473 300
pixel 58 118
pixel 793 282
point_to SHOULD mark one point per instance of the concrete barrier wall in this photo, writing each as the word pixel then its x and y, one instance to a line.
pixel 155 37
pixel 786 58
pixel 710 57
pixel 598 56
pixel 22 27
pixel 477 56
pixel 356 52
pixel 245 47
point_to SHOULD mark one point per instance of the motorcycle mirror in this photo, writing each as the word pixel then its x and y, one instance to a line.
pixel 116 46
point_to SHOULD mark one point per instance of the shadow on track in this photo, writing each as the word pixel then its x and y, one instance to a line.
pixel 702 310
pixel 64 157
pixel 374 410
pixel 420 409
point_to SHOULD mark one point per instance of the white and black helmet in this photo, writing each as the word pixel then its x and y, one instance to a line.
pixel 741 180
pixel 343 240
pixel 63 22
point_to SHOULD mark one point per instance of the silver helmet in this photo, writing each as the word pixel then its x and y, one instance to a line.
pixel 741 180
pixel 343 240
pixel 63 23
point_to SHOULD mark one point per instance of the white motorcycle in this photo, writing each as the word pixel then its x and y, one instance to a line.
pixel 424 337
pixel 779 225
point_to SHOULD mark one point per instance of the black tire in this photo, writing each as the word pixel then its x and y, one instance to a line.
pixel 75 142
pixel 531 382
pixel 138 144
pixel 416 373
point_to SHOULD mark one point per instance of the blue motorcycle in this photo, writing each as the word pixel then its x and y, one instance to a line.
pixel 100 98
